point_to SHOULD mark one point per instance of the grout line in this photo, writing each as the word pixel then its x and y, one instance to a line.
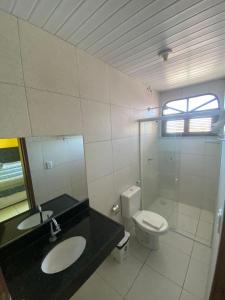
pixel 138 273
pixel 107 283
pixel 185 277
pixel 21 61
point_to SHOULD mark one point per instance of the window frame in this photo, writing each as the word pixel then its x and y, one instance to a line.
pixel 178 116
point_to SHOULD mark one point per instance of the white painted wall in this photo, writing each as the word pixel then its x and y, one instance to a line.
pixel 48 87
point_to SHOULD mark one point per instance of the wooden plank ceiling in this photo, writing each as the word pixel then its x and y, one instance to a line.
pixel 129 33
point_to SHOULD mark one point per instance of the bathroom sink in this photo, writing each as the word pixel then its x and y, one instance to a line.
pixel 63 255
pixel 34 220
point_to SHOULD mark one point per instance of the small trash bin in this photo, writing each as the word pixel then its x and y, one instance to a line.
pixel 121 250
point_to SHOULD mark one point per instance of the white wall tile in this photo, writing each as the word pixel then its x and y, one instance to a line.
pixel 212 167
pixel 10 61
pixel 35 156
pixel 96 117
pixel 193 146
pixel 98 160
pixel 101 194
pixel 191 191
pixel 122 181
pixel 119 88
pixel 55 74
pixel 13 111
pixel 121 153
pixel 53 114
pixel 121 122
pixel 93 80
pixel 48 62
pixel 127 91
pixel 191 164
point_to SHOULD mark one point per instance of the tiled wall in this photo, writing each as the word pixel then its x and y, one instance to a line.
pixel 193 161
pixel 189 170
pixel 48 87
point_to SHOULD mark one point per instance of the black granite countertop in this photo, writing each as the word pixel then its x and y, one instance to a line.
pixel 8 228
pixel 22 269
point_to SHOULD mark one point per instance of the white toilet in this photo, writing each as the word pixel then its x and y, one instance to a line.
pixel 148 225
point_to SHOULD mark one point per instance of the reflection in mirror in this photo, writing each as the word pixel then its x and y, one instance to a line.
pixel 57 167
pixel 35 220
pixel 35 170
pixel 14 198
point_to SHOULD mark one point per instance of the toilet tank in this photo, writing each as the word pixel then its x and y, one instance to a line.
pixel 131 201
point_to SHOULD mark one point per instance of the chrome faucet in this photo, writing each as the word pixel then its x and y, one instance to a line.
pixel 40 212
pixel 54 232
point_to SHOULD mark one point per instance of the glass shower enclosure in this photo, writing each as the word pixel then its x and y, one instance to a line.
pixel 179 179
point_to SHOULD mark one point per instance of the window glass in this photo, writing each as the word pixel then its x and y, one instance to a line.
pixel 170 111
pixel 190 125
pixel 195 102
pixel 210 105
pixel 178 104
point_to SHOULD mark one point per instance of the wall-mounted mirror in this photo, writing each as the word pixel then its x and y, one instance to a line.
pixel 34 170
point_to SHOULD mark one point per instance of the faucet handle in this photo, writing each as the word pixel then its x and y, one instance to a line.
pixel 57 226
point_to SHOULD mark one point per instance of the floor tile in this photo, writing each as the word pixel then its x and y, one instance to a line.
pixel 178 241
pixel 95 289
pixel 196 279
pixel 206 216
pixel 163 206
pixel 120 276
pixel 201 252
pixel 137 250
pixel 186 224
pixel 187 296
pixel 150 285
pixel 203 241
pixel 169 262
pixel 188 210
pixel 204 230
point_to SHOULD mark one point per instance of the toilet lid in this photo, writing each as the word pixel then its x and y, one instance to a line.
pixel 150 221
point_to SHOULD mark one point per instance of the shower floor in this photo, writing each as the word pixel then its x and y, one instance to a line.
pixel 190 221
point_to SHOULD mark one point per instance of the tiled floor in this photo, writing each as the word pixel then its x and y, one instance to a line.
pixel 177 271
pixel 13 210
pixel 188 220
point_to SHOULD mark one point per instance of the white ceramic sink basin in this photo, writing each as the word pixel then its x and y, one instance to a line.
pixel 63 255
pixel 34 220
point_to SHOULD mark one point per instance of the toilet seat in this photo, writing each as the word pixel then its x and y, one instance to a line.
pixel 144 215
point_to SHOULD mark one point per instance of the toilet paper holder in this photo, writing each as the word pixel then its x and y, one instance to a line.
pixel 115 209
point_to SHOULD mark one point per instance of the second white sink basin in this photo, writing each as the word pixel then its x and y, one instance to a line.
pixel 63 255
pixel 34 220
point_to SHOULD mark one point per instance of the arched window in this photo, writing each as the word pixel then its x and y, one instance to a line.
pixel 190 116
